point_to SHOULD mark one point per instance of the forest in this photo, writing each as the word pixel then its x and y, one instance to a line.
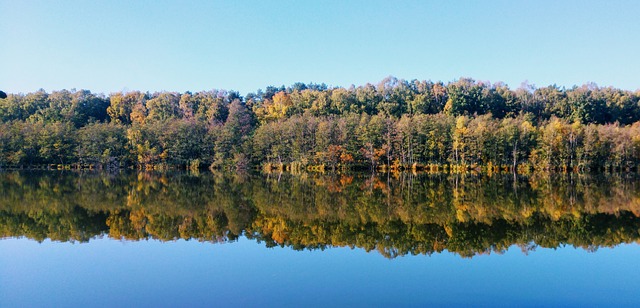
pixel 394 125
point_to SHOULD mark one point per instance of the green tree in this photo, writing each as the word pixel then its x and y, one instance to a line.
pixel 103 144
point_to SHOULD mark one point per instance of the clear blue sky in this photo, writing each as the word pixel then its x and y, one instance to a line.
pixel 107 46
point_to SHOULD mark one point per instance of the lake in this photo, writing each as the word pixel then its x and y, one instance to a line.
pixel 218 239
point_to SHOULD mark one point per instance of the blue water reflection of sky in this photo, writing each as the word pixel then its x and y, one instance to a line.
pixel 107 272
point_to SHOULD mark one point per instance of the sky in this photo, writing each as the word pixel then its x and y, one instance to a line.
pixel 109 46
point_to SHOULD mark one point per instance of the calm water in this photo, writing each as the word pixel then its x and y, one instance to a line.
pixel 78 239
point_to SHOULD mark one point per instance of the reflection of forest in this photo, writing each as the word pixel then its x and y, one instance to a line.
pixel 396 215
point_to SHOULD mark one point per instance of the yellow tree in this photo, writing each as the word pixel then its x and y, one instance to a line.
pixel 275 108
pixel 459 133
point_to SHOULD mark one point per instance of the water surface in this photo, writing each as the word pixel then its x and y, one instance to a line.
pixel 77 239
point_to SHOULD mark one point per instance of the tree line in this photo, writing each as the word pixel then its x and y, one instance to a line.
pixel 396 124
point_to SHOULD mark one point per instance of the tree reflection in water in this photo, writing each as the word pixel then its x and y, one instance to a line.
pixel 396 214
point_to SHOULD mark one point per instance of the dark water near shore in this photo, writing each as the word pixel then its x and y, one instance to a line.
pixel 76 239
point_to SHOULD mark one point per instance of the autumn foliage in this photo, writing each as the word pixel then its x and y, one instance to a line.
pixel 396 124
